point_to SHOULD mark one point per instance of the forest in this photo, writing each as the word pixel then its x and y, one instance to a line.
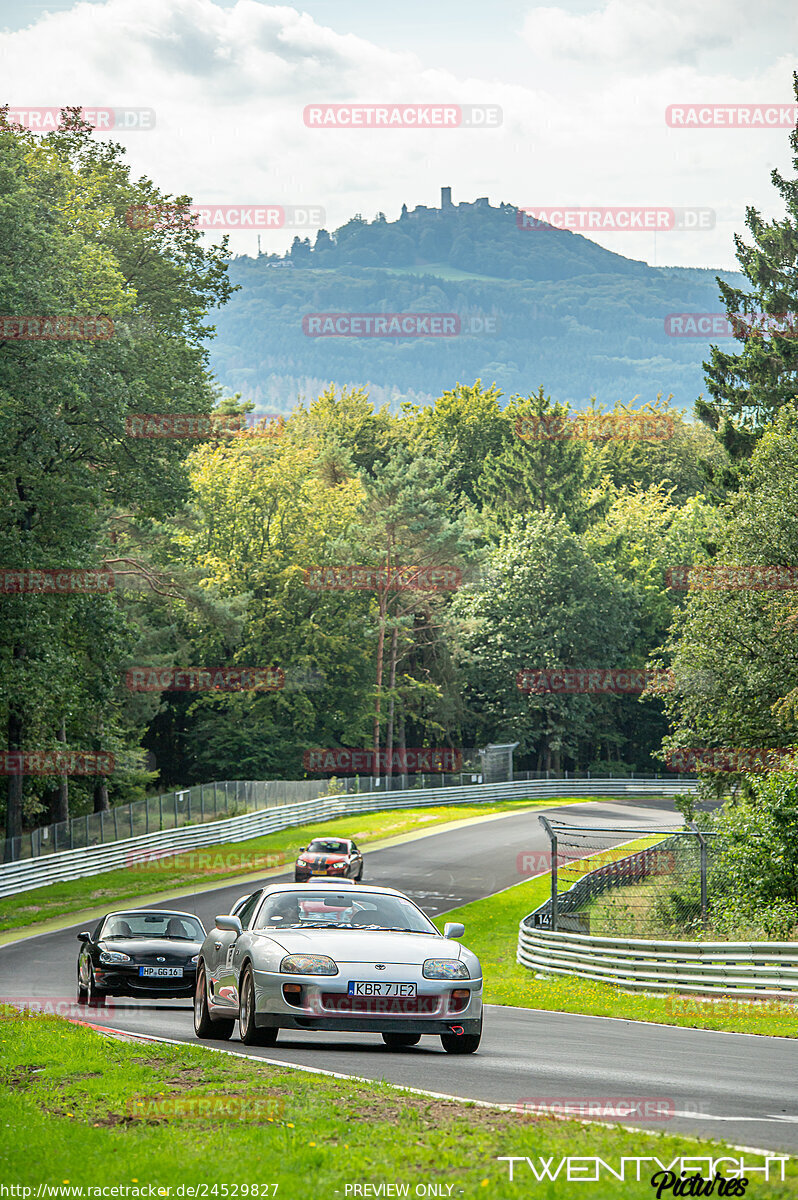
pixel 353 576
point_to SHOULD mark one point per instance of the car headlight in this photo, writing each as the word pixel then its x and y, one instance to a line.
pixel 113 956
pixel 445 968
pixel 308 964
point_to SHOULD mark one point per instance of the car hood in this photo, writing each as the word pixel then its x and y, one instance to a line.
pixel 365 945
pixel 136 947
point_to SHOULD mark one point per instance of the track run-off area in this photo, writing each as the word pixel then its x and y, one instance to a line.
pixel 742 1088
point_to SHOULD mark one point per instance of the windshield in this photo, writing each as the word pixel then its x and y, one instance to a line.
pixel 328 846
pixel 153 925
pixel 352 909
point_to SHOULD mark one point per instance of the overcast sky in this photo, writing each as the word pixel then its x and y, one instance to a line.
pixel 583 88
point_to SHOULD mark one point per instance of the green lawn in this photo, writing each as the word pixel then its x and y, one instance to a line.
pixel 203 868
pixel 82 1110
pixel 492 933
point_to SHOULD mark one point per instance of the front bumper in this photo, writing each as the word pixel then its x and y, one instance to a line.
pixel 128 982
pixel 324 998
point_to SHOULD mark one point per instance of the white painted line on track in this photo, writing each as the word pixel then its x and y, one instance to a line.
pixel 401 1087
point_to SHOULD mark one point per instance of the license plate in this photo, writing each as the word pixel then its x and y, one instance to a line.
pixel 162 972
pixel 319 871
pixel 372 988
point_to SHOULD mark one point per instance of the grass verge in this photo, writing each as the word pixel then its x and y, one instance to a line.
pixel 81 1110
pixel 492 933
pixel 213 864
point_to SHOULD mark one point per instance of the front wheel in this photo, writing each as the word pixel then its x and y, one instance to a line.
pixel 94 997
pixel 249 1032
pixel 461 1043
pixel 399 1041
pixel 204 1025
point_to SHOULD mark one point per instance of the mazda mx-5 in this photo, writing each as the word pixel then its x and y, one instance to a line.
pixel 147 952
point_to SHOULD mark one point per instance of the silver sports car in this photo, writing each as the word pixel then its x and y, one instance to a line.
pixel 337 956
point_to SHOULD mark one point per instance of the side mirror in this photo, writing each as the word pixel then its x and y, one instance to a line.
pixel 453 929
pixel 232 924
pixel 84 936
pixel 301 849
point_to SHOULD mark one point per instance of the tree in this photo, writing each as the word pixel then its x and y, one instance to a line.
pixel 750 387
pixel 542 603
pixel 65 455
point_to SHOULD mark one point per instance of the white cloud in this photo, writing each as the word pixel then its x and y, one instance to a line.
pixel 229 86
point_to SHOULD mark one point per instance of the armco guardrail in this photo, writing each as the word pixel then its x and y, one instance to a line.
pixel 78 864
pixel 742 968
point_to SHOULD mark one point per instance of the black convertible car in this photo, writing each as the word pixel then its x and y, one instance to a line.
pixel 148 953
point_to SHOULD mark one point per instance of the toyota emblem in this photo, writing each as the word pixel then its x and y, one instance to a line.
pixel 160 959
pixel 380 966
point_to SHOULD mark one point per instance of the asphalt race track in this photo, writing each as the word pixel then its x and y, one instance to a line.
pixel 738 1087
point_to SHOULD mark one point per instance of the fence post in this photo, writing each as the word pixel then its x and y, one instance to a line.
pixel 160 812
pixel 102 831
pixel 175 796
pixel 130 818
pixel 116 829
pixel 703 845
pixel 202 802
pixel 214 799
pixel 553 841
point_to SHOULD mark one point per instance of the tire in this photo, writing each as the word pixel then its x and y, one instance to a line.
pixel 359 876
pixel 248 1031
pixel 462 1043
pixel 83 995
pixel 94 997
pixel 400 1041
pixel 204 1024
